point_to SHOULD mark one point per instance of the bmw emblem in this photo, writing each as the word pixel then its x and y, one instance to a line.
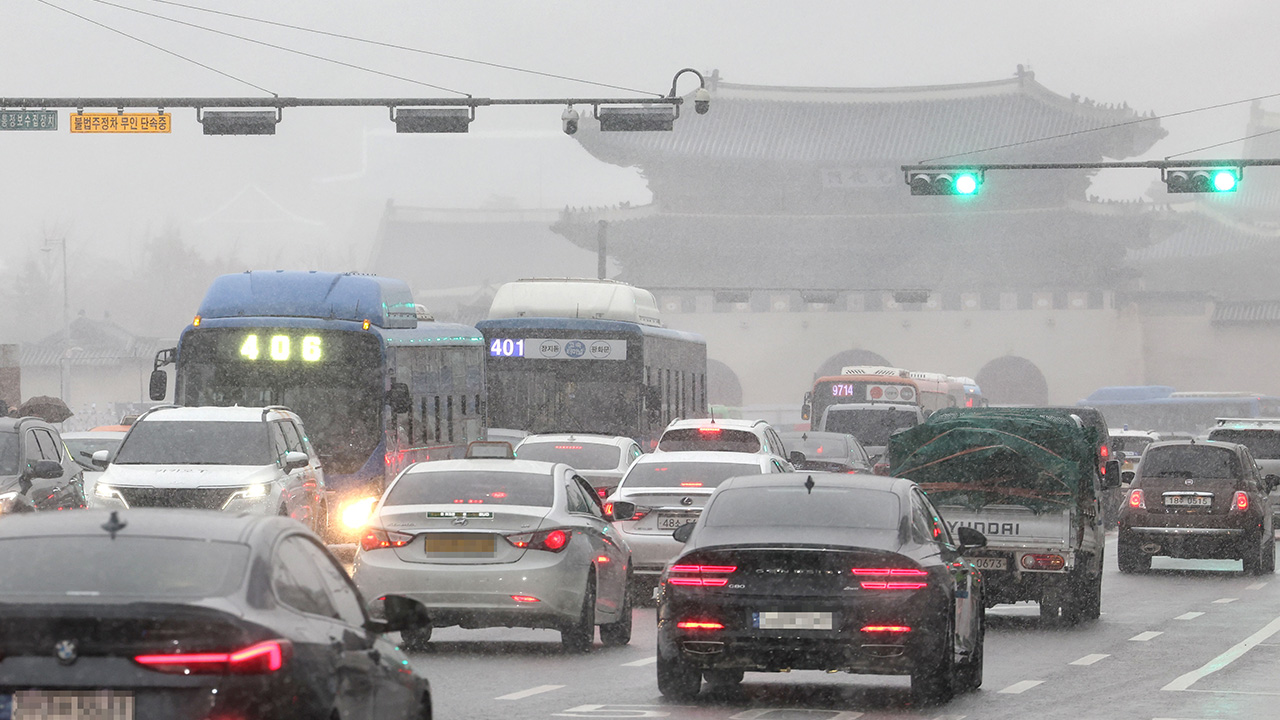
pixel 66 651
pixel 686 501
pixel 459 521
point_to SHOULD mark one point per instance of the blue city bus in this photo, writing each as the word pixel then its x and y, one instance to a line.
pixel 1161 408
pixel 556 374
pixel 376 387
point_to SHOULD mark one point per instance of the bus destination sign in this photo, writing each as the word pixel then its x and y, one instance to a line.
pixel 28 119
pixel 558 348
pixel 121 122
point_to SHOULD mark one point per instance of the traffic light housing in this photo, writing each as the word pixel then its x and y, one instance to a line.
pixel 949 182
pixel 1202 180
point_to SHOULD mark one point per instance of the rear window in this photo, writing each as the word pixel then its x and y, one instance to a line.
pixel 82 449
pixel 1131 445
pixel 97 566
pixel 870 427
pixel 797 507
pixel 472 488
pixel 709 438
pixel 831 449
pixel 192 442
pixel 1190 461
pixel 686 474
pixel 582 456
pixel 1264 444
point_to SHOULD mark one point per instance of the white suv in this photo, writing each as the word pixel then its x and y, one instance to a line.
pixel 237 459
pixel 722 434
pixel 602 460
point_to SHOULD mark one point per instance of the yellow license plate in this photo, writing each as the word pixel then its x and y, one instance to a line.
pixel 459 545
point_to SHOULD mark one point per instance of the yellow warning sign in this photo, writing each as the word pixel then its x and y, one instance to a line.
pixel 121 122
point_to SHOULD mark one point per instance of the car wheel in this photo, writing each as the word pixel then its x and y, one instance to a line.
pixel 724 678
pixel 969 672
pixel 677 679
pixel 1269 557
pixel 579 636
pixel 617 634
pixel 1130 558
pixel 933 679
pixel 415 640
pixel 1251 554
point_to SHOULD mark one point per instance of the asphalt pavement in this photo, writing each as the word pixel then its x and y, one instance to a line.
pixel 1192 640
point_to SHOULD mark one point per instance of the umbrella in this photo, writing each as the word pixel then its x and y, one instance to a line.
pixel 45 407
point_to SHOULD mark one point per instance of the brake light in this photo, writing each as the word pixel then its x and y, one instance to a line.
pixel 699 625
pixel 697 575
pixel 1136 500
pixel 1241 501
pixel 639 513
pixel 525 599
pixel 690 484
pixel 916 572
pixel 375 539
pixel 1104 451
pixel 883 581
pixel 602 492
pixel 886 629
pixel 1037 561
pixel 264 657
pixel 568 447
pixel 709 430
pixel 549 540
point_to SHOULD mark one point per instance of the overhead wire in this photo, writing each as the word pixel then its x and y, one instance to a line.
pixel 1228 142
pixel 157 47
pixel 406 48
pixel 278 47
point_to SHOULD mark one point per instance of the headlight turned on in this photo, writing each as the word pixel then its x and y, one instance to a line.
pixel 355 514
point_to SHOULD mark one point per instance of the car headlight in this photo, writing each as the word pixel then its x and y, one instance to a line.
pixel 103 490
pixel 356 513
pixel 251 492
pixel 6 498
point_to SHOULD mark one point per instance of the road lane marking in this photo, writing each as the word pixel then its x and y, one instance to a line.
pixel 641 663
pixel 1019 687
pixel 1145 636
pixel 763 714
pixel 1225 659
pixel 1257 586
pixel 1189 615
pixel 1224 601
pixel 1088 659
pixel 526 693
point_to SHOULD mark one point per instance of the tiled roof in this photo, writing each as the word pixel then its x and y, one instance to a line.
pixel 904 125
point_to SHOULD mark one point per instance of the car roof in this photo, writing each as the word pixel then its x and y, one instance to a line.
pixel 488 465
pixel 11 424
pixel 210 413
pixel 857 480
pixel 589 438
pixel 142 522
pixel 729 423
pixel 812 435
pixel 1189 441
pixel 703 456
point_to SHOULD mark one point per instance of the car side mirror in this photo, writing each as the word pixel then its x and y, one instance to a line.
pixel 400 613
pixel 797 458
pixel 1111 477
pixel 1272 482
pixel 293 460
pixel 158 385
pixel 101 458
pixel 970 538
pixel 682 533
pixel 399 399
pixel 46 469
pixel 620 509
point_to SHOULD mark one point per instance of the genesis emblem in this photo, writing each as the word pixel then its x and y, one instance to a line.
pixel 66 651
pixel 686 501
pixel 459 521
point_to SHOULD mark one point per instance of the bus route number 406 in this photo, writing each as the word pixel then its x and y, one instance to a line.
pixel 280 348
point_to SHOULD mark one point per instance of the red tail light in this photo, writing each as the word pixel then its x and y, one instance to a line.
pixel 709 430
pixel 699 625
pixel 602 492
pixel 1043 561
pixel 264 657
pixel 1136 500
pixel 697 575
pixel 1241 501
pixel 375 539
pixel 883 579
pixel 886 629
pixel 1104 451
pixel 881 468
pixel 639 513
pixel 549 540
pixel 525 599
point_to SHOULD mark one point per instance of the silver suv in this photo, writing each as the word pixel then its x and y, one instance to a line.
pixel 722 434
pixel 237 459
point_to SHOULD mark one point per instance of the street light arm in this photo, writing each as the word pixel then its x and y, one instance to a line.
pixel 702 82
pixel 701 97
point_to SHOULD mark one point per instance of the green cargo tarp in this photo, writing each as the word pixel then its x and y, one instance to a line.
pixel 1037 458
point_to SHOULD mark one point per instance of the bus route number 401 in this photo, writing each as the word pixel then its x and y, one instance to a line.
pixel 506 348
pixel 280 348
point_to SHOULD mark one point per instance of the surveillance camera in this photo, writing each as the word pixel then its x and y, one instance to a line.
pixel 702 101
pixel 570 119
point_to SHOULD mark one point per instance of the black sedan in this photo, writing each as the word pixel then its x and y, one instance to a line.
pixel 821 572
pixel 191 614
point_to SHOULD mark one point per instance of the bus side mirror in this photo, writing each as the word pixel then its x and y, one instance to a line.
pixel 398 398
pixel 159 385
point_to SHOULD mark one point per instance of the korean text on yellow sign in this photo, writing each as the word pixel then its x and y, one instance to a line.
pixel 121 123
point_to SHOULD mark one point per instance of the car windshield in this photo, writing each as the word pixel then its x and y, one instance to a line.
pixel 709 437
pixel 871 426
pixel 1264 444
pixel 471 488
pixel 195 442
pixel 579 455
pixel 1190 461
pixel 95 566
pixel 685 474
pixel 1131 445
pixel 8 453
pixel 826 507
pixel 83 448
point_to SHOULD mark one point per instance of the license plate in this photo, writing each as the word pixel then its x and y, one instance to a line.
pixel 459 545
pixel 671 522
pixel 1187 501
pixel 66 705
pixel 774 620
pixel 990 563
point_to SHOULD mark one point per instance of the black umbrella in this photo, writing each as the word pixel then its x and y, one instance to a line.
pixel 45 407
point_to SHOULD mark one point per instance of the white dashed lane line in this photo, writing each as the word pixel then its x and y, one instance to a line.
pixel 1184 682
pixel 1224 601
pixel 1019 687
pixel 1257 586
pixel 1088 659
pixel 1189 615
pixel 527 693
pixel 1145 636
pixel 641 663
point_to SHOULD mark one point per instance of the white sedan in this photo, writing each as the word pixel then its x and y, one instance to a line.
pixel 499 543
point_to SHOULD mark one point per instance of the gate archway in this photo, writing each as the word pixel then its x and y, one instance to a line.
pixel 1013 380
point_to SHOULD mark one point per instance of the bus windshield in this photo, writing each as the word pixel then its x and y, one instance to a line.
pixel 332 379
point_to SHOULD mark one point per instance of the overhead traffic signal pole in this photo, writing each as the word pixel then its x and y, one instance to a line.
pixel 1190 176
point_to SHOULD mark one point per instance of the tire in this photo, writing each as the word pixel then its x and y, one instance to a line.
pixel 1251 554
pixel 1093 604
pixel 617 634
pixel 415 640
pixel 933 680
pixel 677 679
pixel 579 636
pixel 969 672
pixel 724 678
pixel 1269 557
pixel 1130 558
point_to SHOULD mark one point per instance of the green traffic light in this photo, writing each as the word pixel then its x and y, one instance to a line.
pixel 1224 181
pixel 966 184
